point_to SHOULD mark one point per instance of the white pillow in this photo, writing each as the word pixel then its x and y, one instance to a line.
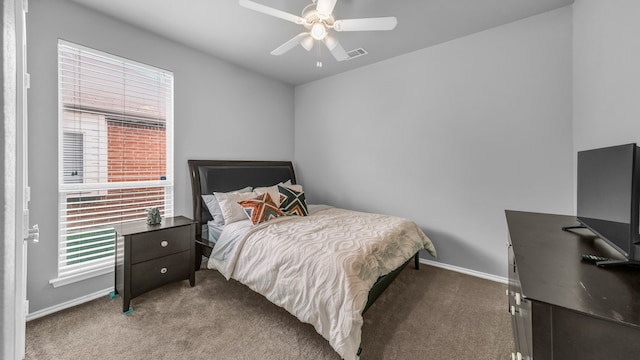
pixel 231 210
pixel 211 203
pixel 214 208
pixel 273 190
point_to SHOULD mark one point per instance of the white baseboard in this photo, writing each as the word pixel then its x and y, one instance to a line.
pixel 105 292
pixel 68 304
pixel 479 274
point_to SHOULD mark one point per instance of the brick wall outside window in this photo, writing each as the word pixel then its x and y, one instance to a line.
pixel 128 159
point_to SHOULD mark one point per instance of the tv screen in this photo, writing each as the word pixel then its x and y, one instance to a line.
pixel 607 201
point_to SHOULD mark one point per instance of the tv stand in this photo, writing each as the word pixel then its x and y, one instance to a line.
pixel 567 228
pixel 562 307
pixel 618 263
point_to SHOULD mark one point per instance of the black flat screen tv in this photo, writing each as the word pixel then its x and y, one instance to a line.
pixel 608 198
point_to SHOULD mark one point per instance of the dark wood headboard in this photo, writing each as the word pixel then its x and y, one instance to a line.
pixel 208 176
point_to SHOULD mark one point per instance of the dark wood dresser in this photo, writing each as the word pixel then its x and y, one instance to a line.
pixel 149 256
pixel 561 306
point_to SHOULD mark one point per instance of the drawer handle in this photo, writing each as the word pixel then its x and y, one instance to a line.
pixel 163 270
pixel 164 243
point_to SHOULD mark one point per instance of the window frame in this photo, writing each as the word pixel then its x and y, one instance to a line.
pixel 94 189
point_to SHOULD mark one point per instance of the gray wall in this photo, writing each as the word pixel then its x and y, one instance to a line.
pixel 606 73
pixel 449 136
pixel 221 112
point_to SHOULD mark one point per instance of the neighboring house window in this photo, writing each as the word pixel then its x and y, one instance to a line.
pixel 115 160
pixel 72 154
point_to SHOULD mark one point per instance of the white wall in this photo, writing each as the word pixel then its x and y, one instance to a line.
pixel 606 69
pixel 221 112
pixel 8 253
pixel 449 136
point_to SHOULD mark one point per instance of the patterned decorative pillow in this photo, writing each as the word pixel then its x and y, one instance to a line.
pixel 292 202
pixel 273 190
pixel 261 209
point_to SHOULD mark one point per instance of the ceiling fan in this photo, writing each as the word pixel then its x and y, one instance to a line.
pixel 318 19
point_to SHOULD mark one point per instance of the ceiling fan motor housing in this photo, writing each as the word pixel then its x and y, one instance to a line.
pixel 311 17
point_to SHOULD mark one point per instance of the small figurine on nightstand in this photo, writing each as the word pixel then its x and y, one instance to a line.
pixel 153 216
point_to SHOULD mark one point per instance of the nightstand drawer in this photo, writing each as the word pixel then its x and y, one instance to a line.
pixel 154 244
pixel 153 273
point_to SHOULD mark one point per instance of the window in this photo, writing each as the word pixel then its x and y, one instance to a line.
pixel 73 167
pixel 115 160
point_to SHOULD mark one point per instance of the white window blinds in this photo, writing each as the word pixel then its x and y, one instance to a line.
pixel 115 160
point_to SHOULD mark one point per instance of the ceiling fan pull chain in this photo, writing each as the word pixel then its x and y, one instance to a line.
pixel 318 62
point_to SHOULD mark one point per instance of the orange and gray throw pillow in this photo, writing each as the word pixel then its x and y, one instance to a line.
pixel 261 209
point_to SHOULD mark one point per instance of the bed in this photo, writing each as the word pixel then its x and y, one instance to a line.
pixel 344 266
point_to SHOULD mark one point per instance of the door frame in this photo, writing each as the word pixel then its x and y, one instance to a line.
pixel 13 249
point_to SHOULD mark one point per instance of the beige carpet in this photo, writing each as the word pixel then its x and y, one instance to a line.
pixel 427 314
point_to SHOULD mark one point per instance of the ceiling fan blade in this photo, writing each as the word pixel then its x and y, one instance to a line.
pixel 336 49
pixel 367 24
pixel 290 44
pixel 271 11
pixel 324 8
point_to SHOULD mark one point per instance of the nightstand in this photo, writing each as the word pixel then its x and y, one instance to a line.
pixel 149 256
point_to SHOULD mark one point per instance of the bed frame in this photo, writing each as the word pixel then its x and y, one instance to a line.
pixel 208 176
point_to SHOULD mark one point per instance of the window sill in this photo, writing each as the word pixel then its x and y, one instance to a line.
pixel 62 281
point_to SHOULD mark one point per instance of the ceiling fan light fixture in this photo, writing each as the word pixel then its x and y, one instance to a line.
pixel 318 31
pixel 307 43
pixel 330 42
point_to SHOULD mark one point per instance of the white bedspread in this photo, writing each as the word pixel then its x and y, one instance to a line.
pixel 319 267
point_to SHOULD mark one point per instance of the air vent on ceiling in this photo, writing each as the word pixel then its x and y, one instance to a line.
pixel 356 53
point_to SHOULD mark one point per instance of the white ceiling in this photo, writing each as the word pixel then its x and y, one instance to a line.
pixel 227 31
